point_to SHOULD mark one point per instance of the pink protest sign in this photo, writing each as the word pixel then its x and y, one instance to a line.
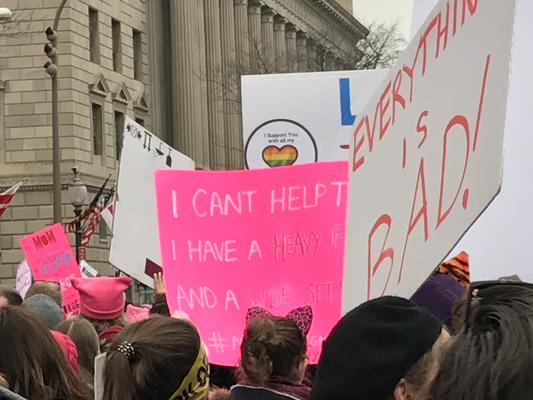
pixel 50 257
pixel 270 237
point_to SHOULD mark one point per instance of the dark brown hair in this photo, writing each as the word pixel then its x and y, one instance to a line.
pixel 86 339
pixel 272 347
pixel 422 373
pixel 11 295
pixel 32 361
pixel 491 358
pixel 50 289
pixel 164 352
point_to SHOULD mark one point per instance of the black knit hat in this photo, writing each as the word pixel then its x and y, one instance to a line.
pixel 371 349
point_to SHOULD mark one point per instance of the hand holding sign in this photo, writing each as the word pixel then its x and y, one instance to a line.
pixel 272 238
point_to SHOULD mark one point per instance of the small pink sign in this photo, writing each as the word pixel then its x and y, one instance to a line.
pixel 270 237
pixel 50 256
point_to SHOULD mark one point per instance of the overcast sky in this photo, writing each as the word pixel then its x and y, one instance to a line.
pixel 388 11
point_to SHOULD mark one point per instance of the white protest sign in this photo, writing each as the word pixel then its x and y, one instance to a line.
pixel 135 240
pixel 88 270
pixel 421 10
pixel 427 152
pixel 24 278
pixel 499 240
pixel 300 118
pixel 99 372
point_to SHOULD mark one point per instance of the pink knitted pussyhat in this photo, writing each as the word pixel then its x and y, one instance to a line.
pixel 69 349
pixel 102 298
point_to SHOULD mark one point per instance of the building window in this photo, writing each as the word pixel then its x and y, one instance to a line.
pixel 98 137
pixel 117 45
pixel 94 37
pixel 140 121
pixel 119 127
pixel 137 55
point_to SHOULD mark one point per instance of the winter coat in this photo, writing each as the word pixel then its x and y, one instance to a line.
pixel 9 395
pixel 108 335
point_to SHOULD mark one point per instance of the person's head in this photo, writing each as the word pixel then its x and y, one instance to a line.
pixel 158 358
pixel 102 300
pixel 445 288
pixel 440 295
pixel 9 297
pixel 384 349
pixel 86 339
pixel 135 313
pixel 491 358
pixel 32 361
pixel 45 309
pixel 69 349
pixel 274 347
pixel 50 289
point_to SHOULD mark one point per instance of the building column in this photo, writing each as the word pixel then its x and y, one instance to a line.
pixel 301 51
pixel 312 61
pixel 280 51
pixel 267 40
pixel 330 61
pixel 189 90
pixel 290 45
pixel 230 91
pixel 215 116
pixel 254 30
pixel 242 46
pixel 159 65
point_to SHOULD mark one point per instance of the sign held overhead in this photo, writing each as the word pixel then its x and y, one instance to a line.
pixel 135 236
pixel 269 237
pixel 426 155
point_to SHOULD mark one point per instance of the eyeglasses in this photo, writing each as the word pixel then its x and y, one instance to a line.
pixel 476 289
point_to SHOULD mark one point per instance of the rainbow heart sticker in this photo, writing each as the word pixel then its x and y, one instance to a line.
pixel 276 157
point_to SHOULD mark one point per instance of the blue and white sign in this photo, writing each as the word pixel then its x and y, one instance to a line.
pixel 304 117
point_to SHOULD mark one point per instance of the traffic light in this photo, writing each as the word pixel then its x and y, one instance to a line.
pixel 50 51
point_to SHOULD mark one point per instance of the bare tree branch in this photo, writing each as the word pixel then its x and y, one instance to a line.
pixel 382 47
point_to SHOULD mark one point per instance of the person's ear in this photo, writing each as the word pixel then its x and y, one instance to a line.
pixel 401 391
pixel 302 368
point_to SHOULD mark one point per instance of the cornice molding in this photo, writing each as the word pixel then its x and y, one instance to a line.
pixel 122 94
pixel 141 103
pixel 100 86
pixel 48 187
pixel 341 14
pixel 341 23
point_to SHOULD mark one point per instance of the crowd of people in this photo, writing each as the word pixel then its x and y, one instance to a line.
pixel 452 341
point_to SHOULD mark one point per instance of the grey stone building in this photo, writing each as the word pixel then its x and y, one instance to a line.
pixel 173 65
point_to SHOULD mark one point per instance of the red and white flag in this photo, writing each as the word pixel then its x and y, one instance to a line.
pixel 7 196
pixel 108 214
pixel 89 228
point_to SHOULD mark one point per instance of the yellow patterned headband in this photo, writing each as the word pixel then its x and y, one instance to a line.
pixel 195 385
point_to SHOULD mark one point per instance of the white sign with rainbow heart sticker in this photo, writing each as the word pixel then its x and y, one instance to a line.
pixel 280 142
pixel 291 119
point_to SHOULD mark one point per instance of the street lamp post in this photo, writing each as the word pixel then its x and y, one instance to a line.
pixel 52 70
pixel 78 194
pixel 5 15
